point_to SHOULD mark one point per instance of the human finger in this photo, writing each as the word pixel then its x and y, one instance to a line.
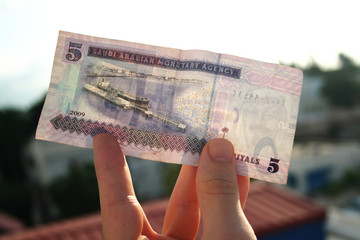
pixel 218 192
pixel 142 237
pixel 183 216
pixel 122 216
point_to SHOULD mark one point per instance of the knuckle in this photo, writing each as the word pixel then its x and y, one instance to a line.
pixel 121 201
pixel 220 186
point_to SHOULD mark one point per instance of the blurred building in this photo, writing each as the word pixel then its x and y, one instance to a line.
pixel 343 224
pixel 316 118
pixel 46 161
pixel 312 107
pixel 49 160
pixel 273 212
pixel 314 164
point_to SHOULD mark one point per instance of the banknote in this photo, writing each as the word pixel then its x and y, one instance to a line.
pixel 165 104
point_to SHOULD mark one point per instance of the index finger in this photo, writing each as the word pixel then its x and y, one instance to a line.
pixel 122 216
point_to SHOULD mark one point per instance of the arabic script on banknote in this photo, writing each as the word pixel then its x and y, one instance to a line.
pixel 164 104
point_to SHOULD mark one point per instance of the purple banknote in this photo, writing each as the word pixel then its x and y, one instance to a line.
pixel 164 104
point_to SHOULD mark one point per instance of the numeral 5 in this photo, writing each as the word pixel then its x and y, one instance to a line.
pixel 74 54
pixel 273 166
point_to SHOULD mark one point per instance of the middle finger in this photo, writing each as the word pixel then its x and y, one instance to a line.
pixel 182 217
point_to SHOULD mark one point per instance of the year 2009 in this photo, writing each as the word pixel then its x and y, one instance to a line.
pixel 76 113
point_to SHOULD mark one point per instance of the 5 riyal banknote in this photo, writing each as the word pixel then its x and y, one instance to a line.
pixel 164 104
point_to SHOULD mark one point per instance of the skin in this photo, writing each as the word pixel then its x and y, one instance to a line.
pixel 212 189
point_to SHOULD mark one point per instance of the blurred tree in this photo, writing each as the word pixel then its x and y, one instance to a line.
pixel 342 87
pixel 349 180
pixel 76 192
pixel 313 69
pixel 346 62
pixel 15 200
pixel 16 126
pixel 171 174
pixel 33 115
pixel 12 124
pixel 14 195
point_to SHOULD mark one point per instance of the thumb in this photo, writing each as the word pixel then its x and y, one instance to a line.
pixel 217 190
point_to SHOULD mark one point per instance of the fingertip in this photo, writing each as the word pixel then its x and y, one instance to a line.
pixel 104 139
pixel 106 147
pixel 220 150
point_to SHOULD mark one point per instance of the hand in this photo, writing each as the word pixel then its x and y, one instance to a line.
pixel 212 188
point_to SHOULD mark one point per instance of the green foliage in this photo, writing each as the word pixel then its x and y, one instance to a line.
pixel 350 179
pixel 15 200
pixel 333 188
pixel 313 69
pixel 16 128
pixel 170 176
pixel 76 192
pixel 33 115
pixel 342 87
pixel 12 124
pixel 346 62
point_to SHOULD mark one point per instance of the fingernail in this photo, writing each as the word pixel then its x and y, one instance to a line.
pixel 220 150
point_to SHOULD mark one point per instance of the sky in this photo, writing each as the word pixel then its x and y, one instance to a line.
pixel 272 31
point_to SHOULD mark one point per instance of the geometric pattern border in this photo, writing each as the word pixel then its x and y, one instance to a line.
pixel 124 135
